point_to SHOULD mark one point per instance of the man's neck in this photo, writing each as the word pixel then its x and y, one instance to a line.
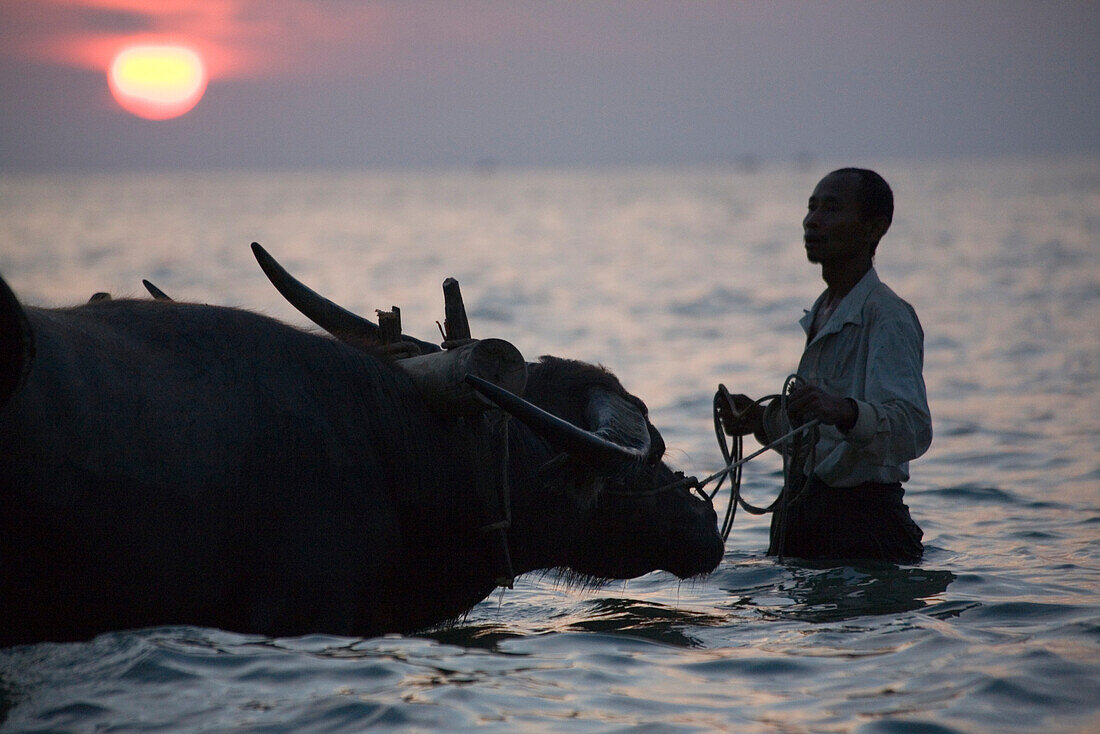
pixel 840 278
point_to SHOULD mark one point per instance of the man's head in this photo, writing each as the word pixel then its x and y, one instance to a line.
pixel 848 213
pixel 873 193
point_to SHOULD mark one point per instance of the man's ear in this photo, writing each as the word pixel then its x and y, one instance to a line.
pixel 876 228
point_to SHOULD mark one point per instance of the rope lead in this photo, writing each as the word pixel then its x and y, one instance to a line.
pixel 735 460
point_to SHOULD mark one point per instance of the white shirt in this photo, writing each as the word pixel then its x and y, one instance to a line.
pixel 871 349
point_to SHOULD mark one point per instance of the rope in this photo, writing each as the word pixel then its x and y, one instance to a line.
pixel 735 460
pixel 791 448
pixel 797 456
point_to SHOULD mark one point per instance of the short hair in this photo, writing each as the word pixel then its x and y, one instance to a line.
pixel 874 194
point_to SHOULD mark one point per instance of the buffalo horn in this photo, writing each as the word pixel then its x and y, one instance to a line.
pixel 604 454
pixel 334 319
pixel 155 292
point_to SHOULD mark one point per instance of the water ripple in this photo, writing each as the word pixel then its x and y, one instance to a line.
pixel 677 280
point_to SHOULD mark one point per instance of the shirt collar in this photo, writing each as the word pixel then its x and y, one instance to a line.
pixel 850 308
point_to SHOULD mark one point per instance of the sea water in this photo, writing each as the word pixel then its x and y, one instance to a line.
pixel 675 279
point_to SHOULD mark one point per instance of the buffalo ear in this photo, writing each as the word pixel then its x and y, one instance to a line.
pixel 16 344
pixel 618 420
pixel 590 446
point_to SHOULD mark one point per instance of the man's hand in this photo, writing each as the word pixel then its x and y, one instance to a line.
pixel 806 402
pixel 740 414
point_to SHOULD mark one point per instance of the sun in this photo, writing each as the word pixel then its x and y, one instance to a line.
pixel 157 82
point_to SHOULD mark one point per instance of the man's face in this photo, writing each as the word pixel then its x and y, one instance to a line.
pixel 833 230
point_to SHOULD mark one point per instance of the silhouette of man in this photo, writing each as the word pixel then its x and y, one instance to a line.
pixel 861 377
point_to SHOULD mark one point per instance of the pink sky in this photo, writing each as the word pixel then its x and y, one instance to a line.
pixel 555 82
pixel 235 37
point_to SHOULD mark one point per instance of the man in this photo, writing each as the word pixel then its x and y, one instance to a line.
pixel 860 377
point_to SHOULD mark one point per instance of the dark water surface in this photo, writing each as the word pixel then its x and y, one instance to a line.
pixel 676 280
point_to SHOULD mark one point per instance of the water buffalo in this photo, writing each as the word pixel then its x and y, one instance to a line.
pixel 164 462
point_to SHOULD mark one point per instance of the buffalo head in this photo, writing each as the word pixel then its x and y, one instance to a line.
pixel 590 490
pixel 603 495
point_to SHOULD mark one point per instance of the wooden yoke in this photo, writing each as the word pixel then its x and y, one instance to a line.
pixel 456 325
pixel 440 376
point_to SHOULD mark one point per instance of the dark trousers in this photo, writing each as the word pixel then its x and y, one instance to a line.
pixel 869 521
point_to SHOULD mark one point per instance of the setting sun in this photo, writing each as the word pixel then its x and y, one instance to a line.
pixel 157 82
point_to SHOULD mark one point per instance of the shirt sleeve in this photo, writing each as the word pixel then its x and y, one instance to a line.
pixel 894 424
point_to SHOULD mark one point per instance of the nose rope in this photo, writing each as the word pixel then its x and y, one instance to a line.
pixel 680 482
pixel 735 460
